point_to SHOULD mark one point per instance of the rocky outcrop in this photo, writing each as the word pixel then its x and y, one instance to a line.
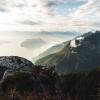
pixel 11 64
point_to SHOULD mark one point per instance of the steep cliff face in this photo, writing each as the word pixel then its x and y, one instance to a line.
pixel 80 54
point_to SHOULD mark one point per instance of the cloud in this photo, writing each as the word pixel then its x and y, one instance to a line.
pixel 88 15
pixel 33 43
pixel 2 42
pixel 91 8
pixel 29 22
pixel 57 2
pixel 39 15
pixel 3 10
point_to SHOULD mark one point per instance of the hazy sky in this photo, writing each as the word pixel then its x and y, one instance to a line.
pixel 23 19
pixel 49 15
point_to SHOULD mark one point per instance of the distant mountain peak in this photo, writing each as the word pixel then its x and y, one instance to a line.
pixel 33 43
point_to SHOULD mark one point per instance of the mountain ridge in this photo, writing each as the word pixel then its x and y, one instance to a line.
pixel 51 50
pixel 83 55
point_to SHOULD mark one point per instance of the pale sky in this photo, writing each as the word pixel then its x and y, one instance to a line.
pixel 24 19
pixel 49 15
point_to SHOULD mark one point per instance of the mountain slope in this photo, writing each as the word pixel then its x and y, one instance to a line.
pixel 80 54
pixel 52 50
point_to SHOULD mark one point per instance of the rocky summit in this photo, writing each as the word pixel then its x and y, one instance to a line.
pixel 11 64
